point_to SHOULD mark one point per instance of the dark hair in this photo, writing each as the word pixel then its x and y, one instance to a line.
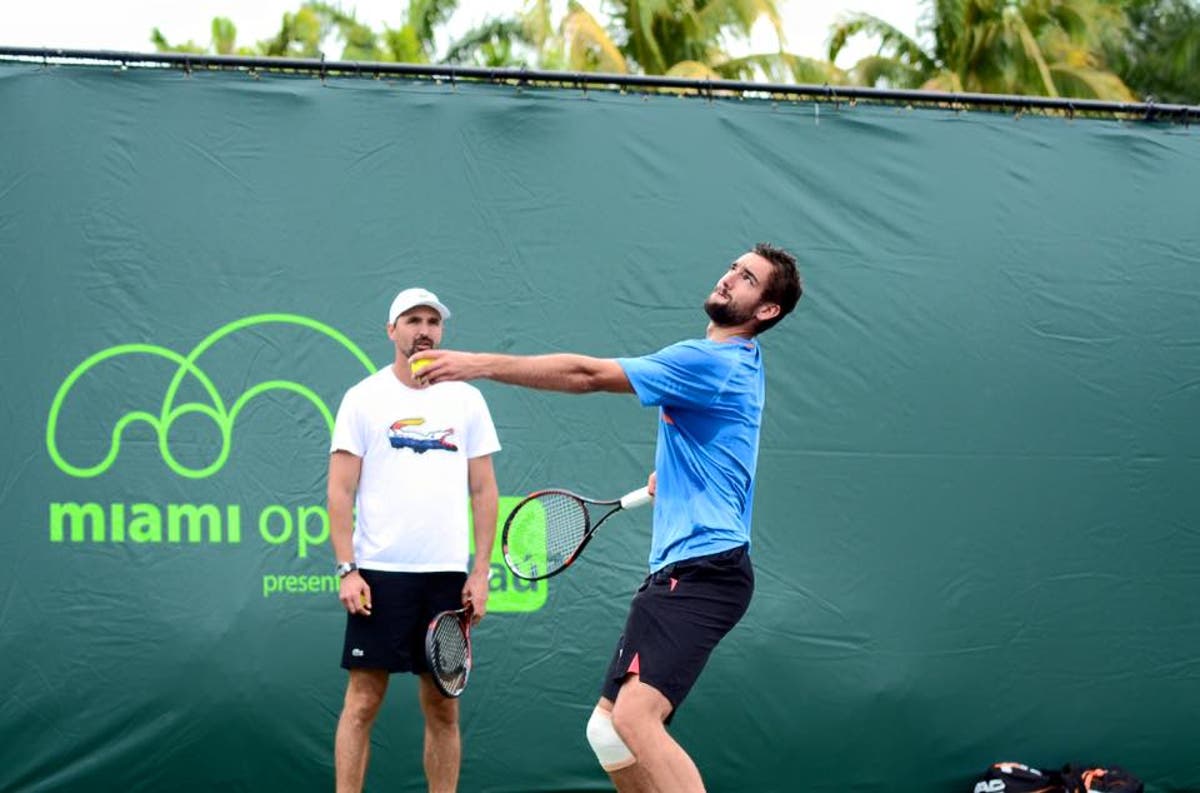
pixel 784 289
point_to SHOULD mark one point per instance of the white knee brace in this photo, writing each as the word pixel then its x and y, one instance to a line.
pixel 610 750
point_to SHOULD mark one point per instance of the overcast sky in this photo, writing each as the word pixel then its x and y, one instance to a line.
pixel 126 24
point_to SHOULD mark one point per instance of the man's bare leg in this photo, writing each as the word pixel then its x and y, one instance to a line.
pixel 631 778
pixel 638 717
pixel 443 745
pixel 352 744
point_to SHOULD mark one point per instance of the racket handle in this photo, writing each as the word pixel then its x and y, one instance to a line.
pixel 636 499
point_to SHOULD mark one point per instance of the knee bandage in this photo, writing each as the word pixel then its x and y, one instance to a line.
pixel 610 750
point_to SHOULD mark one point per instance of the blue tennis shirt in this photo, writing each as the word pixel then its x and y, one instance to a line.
pixel 710 399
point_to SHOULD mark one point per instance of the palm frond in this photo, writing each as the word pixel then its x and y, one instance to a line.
pixel 880 70
pixel 588 46
pixel 426 16
pixel 946 81
pixel 950 27
pixel 539 26
pixel 300 34
pixel 719 17
pixel 1085 83
pixel 782 67
pixel 490 44
pixel 1031 53
pixel 403 45
pixel 162 45
pixel 693 70
pixel 1160 58
pixel 224 35
pixel 892 40
pixel 640 21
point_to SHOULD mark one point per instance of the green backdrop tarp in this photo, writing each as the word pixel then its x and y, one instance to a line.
pixel 976 526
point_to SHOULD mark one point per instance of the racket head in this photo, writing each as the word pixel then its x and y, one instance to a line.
pixel 544 533
pixel 448 650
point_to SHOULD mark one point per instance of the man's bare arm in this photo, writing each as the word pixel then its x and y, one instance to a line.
pixel 344 471
pixel 574 374
pixel 481 477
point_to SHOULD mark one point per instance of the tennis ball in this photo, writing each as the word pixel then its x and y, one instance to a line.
pixel 420 364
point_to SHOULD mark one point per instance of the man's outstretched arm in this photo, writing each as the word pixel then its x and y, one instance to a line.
pixel 574 374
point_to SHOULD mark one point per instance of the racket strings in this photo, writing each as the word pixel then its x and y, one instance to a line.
pixel 547 533
pixel 450 658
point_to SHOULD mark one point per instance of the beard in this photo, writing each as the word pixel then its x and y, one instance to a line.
pixel 727 314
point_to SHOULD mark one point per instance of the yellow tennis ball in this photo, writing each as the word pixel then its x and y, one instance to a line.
pixel 420 364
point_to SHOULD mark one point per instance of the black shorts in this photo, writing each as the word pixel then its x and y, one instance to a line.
pixel 402 606
pixel 676 619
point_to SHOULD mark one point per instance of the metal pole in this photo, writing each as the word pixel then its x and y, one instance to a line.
pixel 453 73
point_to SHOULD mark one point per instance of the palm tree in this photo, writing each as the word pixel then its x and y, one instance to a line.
pixel 1160 59
pixel 224 40
pixel 525 39
pixel 302 34
pixel 1026 47
pixel 685 38
pixel 414 41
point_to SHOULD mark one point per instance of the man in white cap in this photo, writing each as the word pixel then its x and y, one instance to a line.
pixel 407 455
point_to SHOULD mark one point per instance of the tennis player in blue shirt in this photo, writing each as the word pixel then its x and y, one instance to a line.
pixel 710 397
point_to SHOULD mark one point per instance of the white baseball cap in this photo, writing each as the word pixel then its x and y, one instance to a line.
pixel 411 298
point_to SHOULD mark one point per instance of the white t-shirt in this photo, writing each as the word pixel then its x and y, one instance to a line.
pixel 413 498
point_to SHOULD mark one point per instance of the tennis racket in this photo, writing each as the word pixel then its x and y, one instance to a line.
pixel 547 530
pixel 448 650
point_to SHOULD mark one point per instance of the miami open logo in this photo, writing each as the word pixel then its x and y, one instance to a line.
pixel 149 523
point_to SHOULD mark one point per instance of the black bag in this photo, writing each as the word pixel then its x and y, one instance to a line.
pixel 1114 779
pixel 1019 778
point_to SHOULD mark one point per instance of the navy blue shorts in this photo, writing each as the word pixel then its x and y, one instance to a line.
pixel 676 619
pixel 402 606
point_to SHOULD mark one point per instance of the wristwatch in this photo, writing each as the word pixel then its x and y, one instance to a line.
pixel 344 569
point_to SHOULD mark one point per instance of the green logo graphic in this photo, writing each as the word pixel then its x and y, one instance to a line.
pixel 215 409
pixel 148 523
